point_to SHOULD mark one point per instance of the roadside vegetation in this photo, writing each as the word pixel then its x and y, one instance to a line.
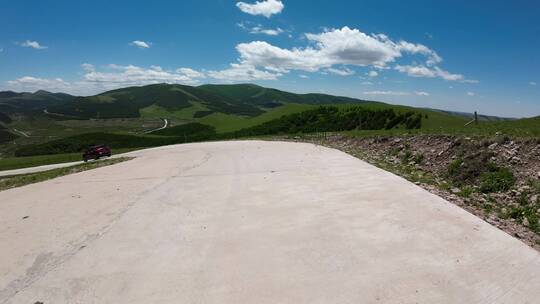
pixel 12 163
pixel 8 182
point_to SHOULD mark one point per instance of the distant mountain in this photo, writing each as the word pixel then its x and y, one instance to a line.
pixel 12 102
pixel 238 99
pixel 266 97
pixel 481 117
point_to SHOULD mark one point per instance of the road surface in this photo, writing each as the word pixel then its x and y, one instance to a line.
pixel 165 124
pixel 251 222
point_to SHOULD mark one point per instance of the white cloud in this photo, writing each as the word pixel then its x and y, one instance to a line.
pixel 265 8
pixel 341 72
pixel 32 44
pixel 134 75
pixel 243 72
pixel 141 44
pixel 433 57
pixel 1 50
pixel 112 77
pixel 532 83
pixel 259 29
pixel 366 83
pixel 88 67
pixel 471 94
pixel 391 93
pixel 30 84
pixel 372 74
pixel 421 93
pixel 303 76
pixel 342 47
pixel 190 73
pixel 428 72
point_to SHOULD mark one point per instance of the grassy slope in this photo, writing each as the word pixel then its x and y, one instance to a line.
pixel 155 111
pixel 42 128
pixel 227 123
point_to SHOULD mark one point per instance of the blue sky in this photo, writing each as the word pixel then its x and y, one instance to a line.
pixel 456 55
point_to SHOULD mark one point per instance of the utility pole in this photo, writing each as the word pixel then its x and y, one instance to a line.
pixel 475 120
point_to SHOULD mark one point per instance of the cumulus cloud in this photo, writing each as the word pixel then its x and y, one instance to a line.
pixel 372 74
pixel 303 76
pixel 88 67
pixel 265 8
pixel 120 75
pixel 421 93
pixel 341 72
pixel 343 47
pixel 391 93
pixel 471 94
pixel 33 45
pixel 30 84
pixel 432 57
pixel 243 72
pixel 431 72
pixel 532 83
pixel 141 44
pixel 111 77
pixel 259 29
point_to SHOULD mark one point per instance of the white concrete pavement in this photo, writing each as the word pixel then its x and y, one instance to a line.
pixel 251 222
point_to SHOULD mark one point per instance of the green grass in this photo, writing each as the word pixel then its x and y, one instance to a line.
pixel 155 111
pixel 230 123
pixel 14 181
pixel 221 121
pixel 12 163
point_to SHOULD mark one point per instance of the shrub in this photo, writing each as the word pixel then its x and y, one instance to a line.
pixel 418 158
pixel 6 136
pixel 468 169
pixel 331 119
pixel 497 180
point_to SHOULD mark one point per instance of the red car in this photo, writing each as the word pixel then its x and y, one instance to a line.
pixel 95 152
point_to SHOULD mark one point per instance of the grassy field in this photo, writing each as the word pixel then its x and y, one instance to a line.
pixel 526 128
pixel 221 121
pixel 8 182
pixel 186 114
pixel 228 123
pixel 12 163
pixel 41 128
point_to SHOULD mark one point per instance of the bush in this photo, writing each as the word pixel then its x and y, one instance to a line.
pixel 6 136
pixel 468 169
pixel 332 119
pixel 497 180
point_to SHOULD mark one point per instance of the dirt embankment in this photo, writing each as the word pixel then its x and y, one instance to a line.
pixel 497 179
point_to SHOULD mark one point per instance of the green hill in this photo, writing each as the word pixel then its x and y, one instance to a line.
pixel 207 109
pixel 25 103
pixel 169 99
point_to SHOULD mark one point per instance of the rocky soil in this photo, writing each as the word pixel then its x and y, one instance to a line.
pixel 497 179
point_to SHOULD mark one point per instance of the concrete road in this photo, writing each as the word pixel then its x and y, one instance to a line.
pixel 251 222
